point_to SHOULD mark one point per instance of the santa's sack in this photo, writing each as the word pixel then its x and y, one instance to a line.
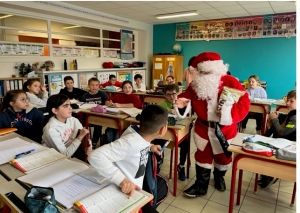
pixel 257 149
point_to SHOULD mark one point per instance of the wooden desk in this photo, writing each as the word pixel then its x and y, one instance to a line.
pixel 177 134
pixel 281 106
pixel 270 166
pixel 261 107
pixel 108 120
pixel 149 98
pixel 2 180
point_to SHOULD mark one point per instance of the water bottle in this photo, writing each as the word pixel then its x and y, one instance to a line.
pixel 16 67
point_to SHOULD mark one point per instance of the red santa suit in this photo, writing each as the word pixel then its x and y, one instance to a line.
pixel 204 92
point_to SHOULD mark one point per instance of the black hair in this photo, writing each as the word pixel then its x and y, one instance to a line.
pixel 228 73
pixel 111 76
pixel 291 94
pixel 54 101
pixel 170 87
pixel 29 82
pixel 93 79
pixel 153 118
pixel 138 76
pixel 11 95
pixel 68 78
pixel 191 61
pixel 126 82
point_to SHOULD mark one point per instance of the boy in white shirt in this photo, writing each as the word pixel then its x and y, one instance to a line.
pixel 138 83
pixel 124 161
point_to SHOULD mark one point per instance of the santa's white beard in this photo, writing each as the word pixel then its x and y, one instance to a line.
pixel 206 85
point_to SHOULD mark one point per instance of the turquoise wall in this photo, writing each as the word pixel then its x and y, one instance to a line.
pixel 272 59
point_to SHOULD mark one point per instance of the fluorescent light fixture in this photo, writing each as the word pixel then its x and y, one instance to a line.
pixel 180 14
pixel 6 16
pixel 70 27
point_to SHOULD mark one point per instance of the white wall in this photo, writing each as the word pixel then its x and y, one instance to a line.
pixel 144 33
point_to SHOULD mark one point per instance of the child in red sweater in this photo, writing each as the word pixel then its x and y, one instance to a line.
pixel 126 99
pixel 111 82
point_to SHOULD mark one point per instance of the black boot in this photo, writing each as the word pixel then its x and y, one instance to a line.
pixel 219 180
pixel 201 184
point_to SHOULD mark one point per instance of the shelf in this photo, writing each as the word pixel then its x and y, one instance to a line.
pixel 89 70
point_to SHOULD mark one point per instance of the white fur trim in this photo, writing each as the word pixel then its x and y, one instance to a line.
pixel 226 118
pixel 213 66
pixel 222 167
pixel 200 142
pixel 211 107
pixel 187 110
pixel 204 165
pixel 214 142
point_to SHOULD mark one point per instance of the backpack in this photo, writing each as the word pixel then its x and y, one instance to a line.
pixel 153 182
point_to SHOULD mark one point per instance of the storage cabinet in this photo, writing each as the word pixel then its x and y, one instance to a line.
pixel 165 65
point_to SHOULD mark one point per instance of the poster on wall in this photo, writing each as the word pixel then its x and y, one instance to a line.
pixel 55 84
pixel 83 79
pixel 104 76
pixel 126 44
pixel 124 75
pixel 197 30
pixel 267 26
pixel 182 31
pixel 246 28
pixel 284 25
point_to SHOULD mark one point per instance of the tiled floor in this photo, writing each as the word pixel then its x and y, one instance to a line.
pixel 276 199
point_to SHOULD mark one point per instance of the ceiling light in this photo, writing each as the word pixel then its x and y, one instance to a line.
pixel 6 16
pixel 71 27
pixel 180 14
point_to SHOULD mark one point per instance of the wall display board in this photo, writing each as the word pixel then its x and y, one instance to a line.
pixel 83 79
pixel 104 76
pixel 21 49
pixel 141 72
pixel 124 75
pixel 56 84
pixel 281 25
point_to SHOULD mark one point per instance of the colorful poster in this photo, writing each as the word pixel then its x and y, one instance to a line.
pixel 267 26
pixel 245 28
pixel 56 83
pixel 104 76
pixel 124 75
pixel 126 44
pixel 284 25
pixel 83 79
pixel 197 30
pixel 182 31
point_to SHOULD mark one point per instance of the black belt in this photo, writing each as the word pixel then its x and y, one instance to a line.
pixel 211 124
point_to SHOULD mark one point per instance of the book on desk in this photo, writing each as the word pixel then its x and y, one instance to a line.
pixel 74 188
pixel 132 112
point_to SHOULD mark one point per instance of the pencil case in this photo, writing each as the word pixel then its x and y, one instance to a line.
pixel 257 149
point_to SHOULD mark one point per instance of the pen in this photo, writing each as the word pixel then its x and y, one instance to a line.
pixel 166 144
pixel 24 153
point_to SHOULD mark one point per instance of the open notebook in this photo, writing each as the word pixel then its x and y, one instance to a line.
pixel 275 142
pixel 73 186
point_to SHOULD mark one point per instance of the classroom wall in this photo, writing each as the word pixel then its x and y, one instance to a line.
pixel 272 59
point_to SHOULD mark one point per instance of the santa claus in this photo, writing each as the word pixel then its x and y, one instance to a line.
pixel 203 93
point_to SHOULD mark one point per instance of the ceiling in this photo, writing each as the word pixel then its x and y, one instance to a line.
pixel 145 11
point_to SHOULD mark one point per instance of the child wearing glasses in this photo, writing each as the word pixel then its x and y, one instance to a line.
pixel 171 96
pixel 17 112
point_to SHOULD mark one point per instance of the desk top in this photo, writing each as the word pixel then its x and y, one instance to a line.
pixel 119 116
pixel 280 102
pixel 236 147
pixel 176 127
pixel 2 179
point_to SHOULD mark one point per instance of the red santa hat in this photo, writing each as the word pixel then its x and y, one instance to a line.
pixel 210 62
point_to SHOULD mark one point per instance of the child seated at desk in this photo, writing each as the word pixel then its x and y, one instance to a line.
pixel 71 91
pixel 138 83
pixel 171 96
pixel 126 99
pixel 62 129
pixel 36 93
pixel 111 82
pixel 123 162
pixel 283 126
pixel 18 113
pixel 97 97
pixel 254 91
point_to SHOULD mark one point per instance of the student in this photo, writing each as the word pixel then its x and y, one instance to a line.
pixel 254 91
pixel 111 82
pixel 189 73
pixel 97 97
pixel 36 93
pixel 61 131
pixel 123 162
pixel 171 80
pixel 283 126
pixel 18 113
pixel 127 100
pixel 171 97
pixel 71 91
pixel 138 83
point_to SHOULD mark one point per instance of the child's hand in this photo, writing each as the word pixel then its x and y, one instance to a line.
pixel 218 112
pixel 82 133
pixel 117 105
pixel 128 187
pixel 172 111
pixel 273 115
pixel 89 150
pixel 181 102
pixel 43 88
pixel 156 149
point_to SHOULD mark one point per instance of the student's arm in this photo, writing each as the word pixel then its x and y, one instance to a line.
pixel 104 97
pixel 104 85
pixel 53 140
pixel 263 93
pixel 288 129
pixel 39 102
pixel 103 160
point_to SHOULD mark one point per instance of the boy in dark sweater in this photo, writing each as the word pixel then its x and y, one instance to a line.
pixel 97 97
pixel 70 90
